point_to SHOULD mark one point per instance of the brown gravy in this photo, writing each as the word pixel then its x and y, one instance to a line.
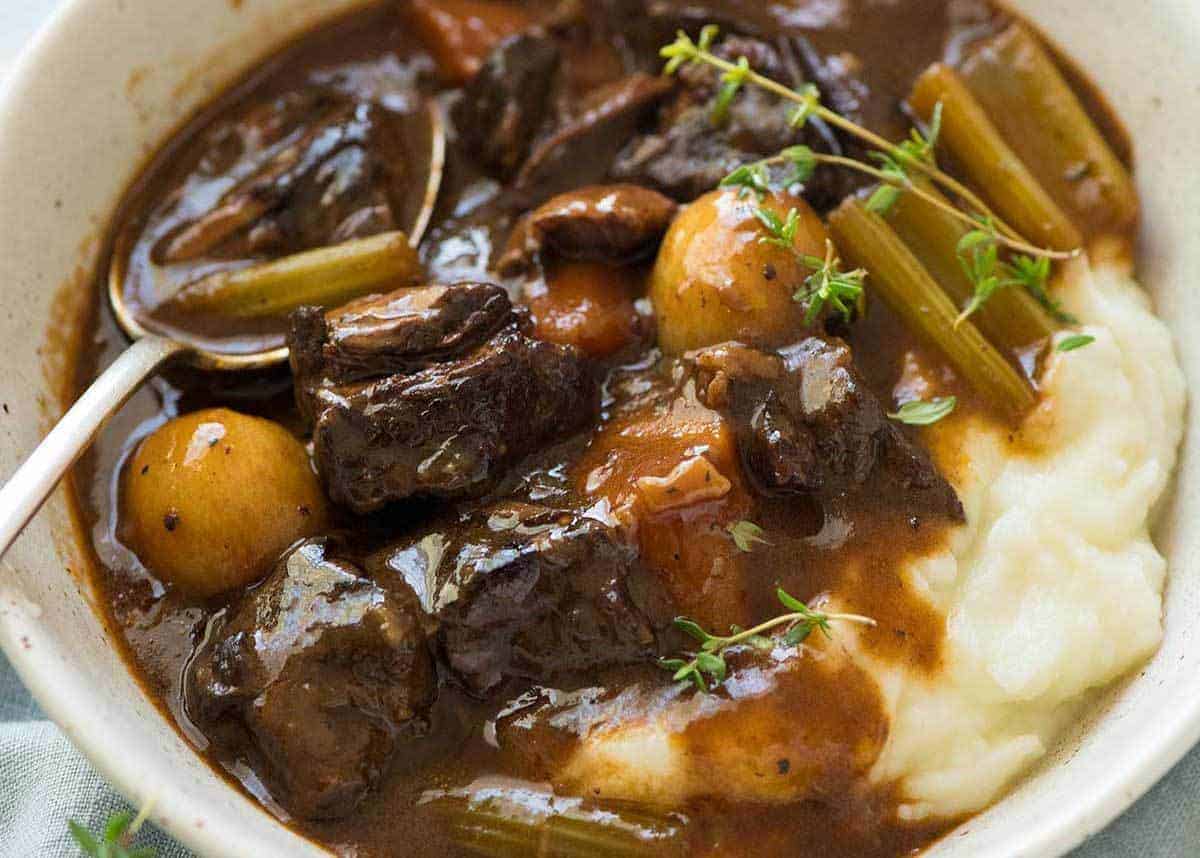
pixel 158 628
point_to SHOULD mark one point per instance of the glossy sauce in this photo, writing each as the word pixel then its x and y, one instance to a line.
pixel 854 557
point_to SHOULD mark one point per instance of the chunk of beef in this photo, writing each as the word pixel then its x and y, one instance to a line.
pixel 581 149
pixel 402 331
pixel 687 156
pixel 321 673
pixel 307 170
pixel 443 421
pixel 600 223
pixel 523 591
pixel 807 424
pixel 508 100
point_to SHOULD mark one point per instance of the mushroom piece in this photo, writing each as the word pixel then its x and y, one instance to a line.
pixel 617 224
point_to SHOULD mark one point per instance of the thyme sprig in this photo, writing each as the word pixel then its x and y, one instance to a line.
pixel 709 666
pixel 731 83
pixel 896 160
pixel 828 285
pixel 919 147
pixel 755 178
pixel 801 162
pixel 117 838
pixel 979 256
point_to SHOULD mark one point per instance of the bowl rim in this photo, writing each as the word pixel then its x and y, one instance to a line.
pixel 1051 835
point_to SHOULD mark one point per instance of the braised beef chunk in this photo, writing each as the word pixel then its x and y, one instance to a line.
pixel 508 101
pixel 443 422
pixel 581 148
pixel 691 151
pixel 311 169
pixel 807 424
pixel 401 331
pixel 600 223
pixel 319 673
pixel 523 591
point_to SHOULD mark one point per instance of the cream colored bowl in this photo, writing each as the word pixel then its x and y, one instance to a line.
pixel 106 80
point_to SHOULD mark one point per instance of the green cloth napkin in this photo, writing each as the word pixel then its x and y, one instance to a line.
pixel 44 782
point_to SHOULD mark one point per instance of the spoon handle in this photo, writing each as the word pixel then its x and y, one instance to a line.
pixel 27 489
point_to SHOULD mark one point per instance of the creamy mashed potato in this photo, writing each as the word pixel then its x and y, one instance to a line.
pixel 1053 587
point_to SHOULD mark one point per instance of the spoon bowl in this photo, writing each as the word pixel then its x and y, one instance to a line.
pixel 433 131
pixel 25 492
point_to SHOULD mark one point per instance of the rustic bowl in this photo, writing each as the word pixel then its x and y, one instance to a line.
pixel 105 81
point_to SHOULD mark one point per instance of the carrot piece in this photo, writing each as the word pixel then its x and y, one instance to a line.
pixel 460 33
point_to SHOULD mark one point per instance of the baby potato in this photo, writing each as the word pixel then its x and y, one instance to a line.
pixel 715 281
pixel 211 499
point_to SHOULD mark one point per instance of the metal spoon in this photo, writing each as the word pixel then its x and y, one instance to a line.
pixel 28 488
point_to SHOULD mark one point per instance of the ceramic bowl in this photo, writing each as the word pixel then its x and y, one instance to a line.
pixel 105 81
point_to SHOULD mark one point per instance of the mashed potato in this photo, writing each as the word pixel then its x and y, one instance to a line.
pixel 1050 589
pixel 1053 587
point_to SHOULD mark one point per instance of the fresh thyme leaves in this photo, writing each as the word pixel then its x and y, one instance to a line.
pixel 888 193
pixel 802 162
pixel 1033 275
pixel 919 147
pixel 745 534
pixel 919 412
pixel 749 179
pixel 979 255
pixel 829 286
pixel 915 154
pixel 781 233
pixel 810 100
pixel 708 668
pixel 116 839
pixel 755 178
pixel 731 82
pixel 1076 341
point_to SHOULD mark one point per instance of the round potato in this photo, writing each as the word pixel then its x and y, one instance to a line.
pixel 715 280
pixel 211 499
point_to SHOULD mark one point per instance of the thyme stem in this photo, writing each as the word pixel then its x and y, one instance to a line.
pixel 812 105
pixel 1016 244
pixel 799 623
